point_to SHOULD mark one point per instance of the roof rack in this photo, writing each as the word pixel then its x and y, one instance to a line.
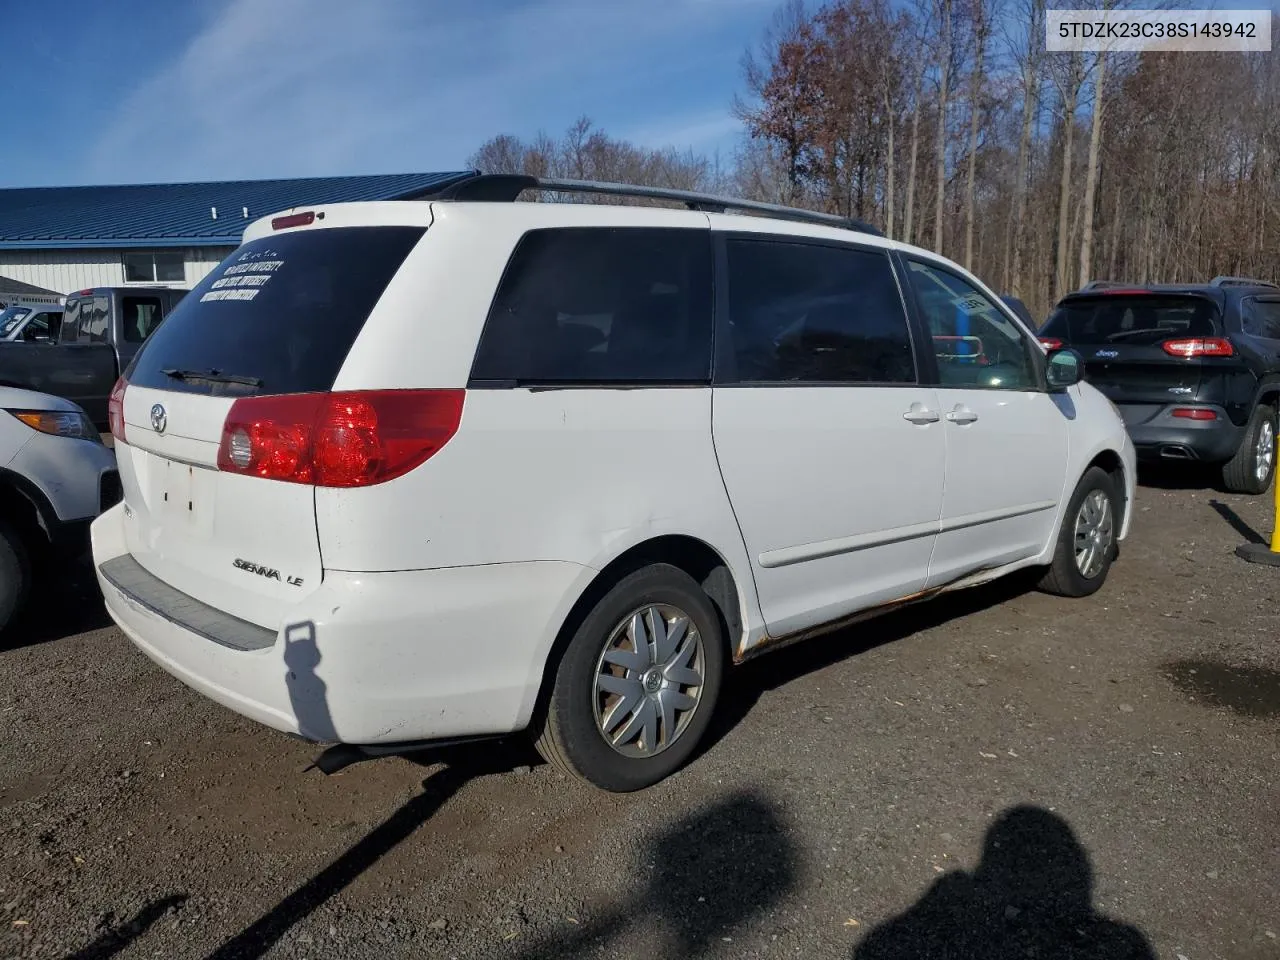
pixel 505 188
pixel 1241 282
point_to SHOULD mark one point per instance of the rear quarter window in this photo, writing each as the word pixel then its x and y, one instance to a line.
pixel 1134 320
pixel 597 305
pixel 284 310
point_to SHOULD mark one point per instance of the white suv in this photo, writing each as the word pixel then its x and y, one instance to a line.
pixel 415 471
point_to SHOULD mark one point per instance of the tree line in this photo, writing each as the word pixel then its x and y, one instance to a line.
pixel 948 125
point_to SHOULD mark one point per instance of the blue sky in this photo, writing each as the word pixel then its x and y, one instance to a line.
pixel 136 91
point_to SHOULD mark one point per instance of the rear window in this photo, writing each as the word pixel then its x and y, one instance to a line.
pixel 1130 319
pixel 597 305
pixel 139 316
pixel 284 310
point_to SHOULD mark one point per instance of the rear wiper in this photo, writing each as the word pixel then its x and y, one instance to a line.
pixel 1143 331
pixel 213 376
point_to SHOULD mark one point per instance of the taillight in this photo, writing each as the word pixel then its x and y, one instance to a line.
pixel 351 439
pixel 1051 343
pixel 115 409
pixel 1194 413
pixel 1199 347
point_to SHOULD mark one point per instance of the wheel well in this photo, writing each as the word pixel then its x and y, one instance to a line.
pixel 691 555
pixel 18 509
pixel 1110 462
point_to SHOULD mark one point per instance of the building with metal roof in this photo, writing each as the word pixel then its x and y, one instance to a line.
pixel 69 238
pixel 15 291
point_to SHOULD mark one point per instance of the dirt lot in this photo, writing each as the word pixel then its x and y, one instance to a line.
pixel 1006 773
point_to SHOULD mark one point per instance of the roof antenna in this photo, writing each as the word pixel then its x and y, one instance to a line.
pixel 244 212
pixel 213 212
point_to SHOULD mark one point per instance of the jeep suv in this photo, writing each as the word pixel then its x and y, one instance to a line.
pixel 404 472
pixel 1194 369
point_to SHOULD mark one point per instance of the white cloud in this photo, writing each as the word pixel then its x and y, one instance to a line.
pixel 701 131
pixel 313 87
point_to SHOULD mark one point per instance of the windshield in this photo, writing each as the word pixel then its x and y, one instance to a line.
pixel 282 310
pixel 10 319
pixel 1131 319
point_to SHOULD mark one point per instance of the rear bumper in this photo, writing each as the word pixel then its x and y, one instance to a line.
pixel 368 658
pixel 1162 436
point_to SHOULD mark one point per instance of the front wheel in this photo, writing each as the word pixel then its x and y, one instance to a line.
pixel 637 684
pixel 1251 469
pixel 15 574
pixel 1087 539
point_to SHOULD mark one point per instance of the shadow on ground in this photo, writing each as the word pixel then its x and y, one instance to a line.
pixel 65 600
pixel 1236 522
pixel 1248 691
pixel 1030 896
pixel 463 766
pixel 1180 475
pixel 116 938
pixel 701 879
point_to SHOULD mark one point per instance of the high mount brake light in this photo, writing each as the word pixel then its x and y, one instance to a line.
pixel 1051 343
pixel 293 220
pixel 1199 347
pixel 346 439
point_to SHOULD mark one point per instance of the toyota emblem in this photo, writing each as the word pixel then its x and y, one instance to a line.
pixel 159 419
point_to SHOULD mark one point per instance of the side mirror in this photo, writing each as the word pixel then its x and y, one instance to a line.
pixel 1064 369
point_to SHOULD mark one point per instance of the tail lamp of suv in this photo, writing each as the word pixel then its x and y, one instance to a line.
pixel 115 409
pixel 342 439
pixel 1199 347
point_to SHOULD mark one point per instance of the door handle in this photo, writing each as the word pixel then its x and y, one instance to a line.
pixel 919 413
pixel 962 414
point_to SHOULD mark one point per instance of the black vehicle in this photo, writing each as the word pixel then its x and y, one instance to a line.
pixel 101 330
pixel 1194 369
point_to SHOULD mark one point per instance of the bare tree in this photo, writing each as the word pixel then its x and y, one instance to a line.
pixel 977 81
pixel 945 55
pixel 1068 78
pixel 1091 176
pixel 1029 59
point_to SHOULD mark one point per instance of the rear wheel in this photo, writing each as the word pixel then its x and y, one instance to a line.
pixel 1087 540
pixel 15 574
pixel 638 682
pixel 1251 469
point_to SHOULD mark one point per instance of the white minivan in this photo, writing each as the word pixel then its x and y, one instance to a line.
pixel 405 472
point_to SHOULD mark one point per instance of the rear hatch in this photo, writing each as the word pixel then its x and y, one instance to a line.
pixel 271 325
pixel 1144 350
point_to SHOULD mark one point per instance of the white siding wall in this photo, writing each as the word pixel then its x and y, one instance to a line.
pixel 69 270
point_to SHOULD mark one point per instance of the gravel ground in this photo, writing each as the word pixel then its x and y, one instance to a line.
pixel 995 774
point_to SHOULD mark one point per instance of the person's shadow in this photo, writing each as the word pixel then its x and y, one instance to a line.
pixel 307 692
pixel 1031 896
pixel 710 874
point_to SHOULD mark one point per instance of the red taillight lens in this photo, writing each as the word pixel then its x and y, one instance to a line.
pixel 115 409
pixel 1194 413
pixel 293 220
pixel 1199 347
pixel 1051 343
pixel 352 439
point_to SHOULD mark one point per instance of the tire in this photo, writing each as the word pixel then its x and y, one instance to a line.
pixel 653 742
pixel 15 575
pixel 1253 466
pixel 1065 576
